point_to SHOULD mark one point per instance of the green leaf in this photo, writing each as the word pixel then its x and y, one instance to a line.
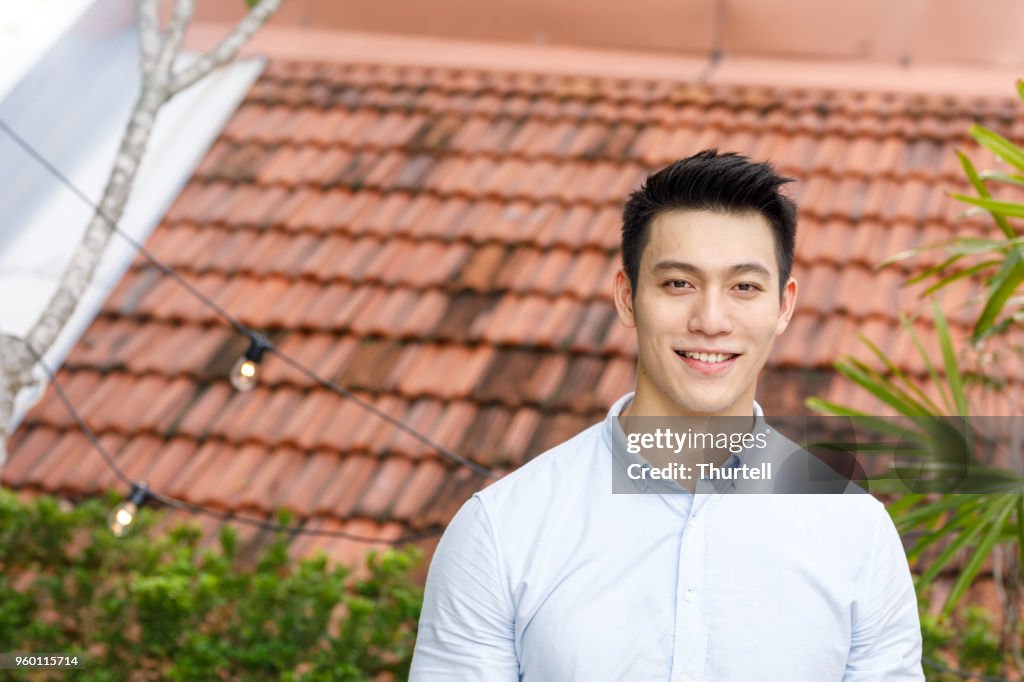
pixel 1004 208
pixel 966 536
pixel 923 513
pixel 932 372
pixel 926 540
pixel 996 517
pixel 1020 498
pixel 1004 284
pixel 979 186
pixel 962 246
pixel 917 250
pixel 960 274
pixel 875 423
pixel 879 388
pixel 925 401
pixel 998 145
pixel 956 382
pixel 829 407
pixel 1000 176
pixel 933 270
pixel 976 245
pixel 904 503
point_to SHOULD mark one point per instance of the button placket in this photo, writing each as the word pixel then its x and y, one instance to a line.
pixel 691 628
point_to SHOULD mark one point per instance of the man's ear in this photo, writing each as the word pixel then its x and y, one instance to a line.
pixel 787 307
pixel 624 299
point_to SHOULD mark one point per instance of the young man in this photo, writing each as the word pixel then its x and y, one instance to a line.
pixel 548 575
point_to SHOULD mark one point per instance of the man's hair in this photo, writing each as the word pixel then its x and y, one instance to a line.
pixel 709 181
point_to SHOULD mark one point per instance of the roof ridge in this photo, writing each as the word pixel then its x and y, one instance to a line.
pixel 392 50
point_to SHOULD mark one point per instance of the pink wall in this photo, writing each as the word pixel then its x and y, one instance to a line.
pixel 894 31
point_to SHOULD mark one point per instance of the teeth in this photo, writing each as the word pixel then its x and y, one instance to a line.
pixel 708 357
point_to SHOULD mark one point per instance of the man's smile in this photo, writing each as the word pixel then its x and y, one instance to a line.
pixel 708 362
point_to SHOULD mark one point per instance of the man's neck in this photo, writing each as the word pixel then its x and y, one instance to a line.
pixel 643 405
pixel 640 417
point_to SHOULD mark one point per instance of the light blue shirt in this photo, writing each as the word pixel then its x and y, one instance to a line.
pixel 547 576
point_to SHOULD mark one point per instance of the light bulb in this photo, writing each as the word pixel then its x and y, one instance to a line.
pixel 244 374
pixel 246 370
pixel 122 518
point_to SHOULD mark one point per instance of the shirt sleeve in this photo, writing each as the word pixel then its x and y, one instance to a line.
pixel 886 641
pixel 467 626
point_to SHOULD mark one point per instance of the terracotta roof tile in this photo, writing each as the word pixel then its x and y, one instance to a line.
pixel 305 487
pixel 448 252
pixel 790 349
pixel 29 452
pixel 617 378
pixel 593 327
pixel 205 409
pixel 341 492
pixel 383 488
pixel 77 386
pixel 620 339
pixel 192 470
pixel 167 462
pixel 452 425
pixel 265 488
pixel 310 431
pixel 419 489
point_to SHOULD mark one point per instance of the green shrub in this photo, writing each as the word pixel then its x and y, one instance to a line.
pixel 148 606
pixel 968 642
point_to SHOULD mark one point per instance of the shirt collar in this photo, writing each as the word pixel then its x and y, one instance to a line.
pixel 619 405
pixel 615 439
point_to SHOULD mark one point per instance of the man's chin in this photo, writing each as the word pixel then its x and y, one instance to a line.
pixel 703 406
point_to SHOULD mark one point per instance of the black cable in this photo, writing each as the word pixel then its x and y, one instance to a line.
pixel 237 324
pixel 327 383
pixel 199 509
pixel 297 530
pixel 75 415
pixel 167 270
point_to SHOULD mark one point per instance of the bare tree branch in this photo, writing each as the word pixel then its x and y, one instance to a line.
pixel 157 56
pixel 90 250
pixel 16 374
pixel 149 35
pixel 227 49
pixel 172 40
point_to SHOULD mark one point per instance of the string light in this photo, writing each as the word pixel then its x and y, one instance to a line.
pixel 235 322
pixel 223 516
pixel 258 345
pixel 245 372
pixel 122 518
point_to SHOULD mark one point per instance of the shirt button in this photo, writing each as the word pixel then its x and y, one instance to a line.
pixel 690 595
pixel 685 678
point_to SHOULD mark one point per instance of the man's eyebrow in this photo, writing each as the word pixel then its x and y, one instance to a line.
pixel 751 267
pixel 739 268
pixel 677 265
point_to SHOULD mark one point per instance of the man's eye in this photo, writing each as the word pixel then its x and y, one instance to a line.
pixel 677 284
pixel 748 286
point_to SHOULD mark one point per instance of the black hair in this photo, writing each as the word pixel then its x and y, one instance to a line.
pixel 709 181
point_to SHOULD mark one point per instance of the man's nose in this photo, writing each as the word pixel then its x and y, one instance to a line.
pixel 710 314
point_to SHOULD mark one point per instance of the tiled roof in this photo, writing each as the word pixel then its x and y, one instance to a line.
pixel 443 242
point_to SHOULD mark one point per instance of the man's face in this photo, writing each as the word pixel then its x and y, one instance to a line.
pixel 706 311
